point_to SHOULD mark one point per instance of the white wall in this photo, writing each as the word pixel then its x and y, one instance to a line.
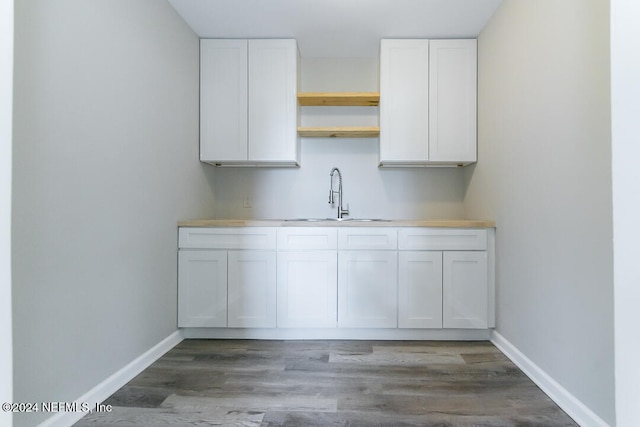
pixel 105 163
pixel 544 175
pixel 371 192
pixel 625 100
pixel 6 100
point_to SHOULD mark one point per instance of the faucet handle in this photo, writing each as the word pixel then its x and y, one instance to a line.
pixel 346 211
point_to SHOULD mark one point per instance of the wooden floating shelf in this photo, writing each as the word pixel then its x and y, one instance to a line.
pixel 340 132
pixel 339 99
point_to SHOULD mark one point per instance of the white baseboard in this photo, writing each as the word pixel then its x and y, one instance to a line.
pixel 563 398
pixel 112 384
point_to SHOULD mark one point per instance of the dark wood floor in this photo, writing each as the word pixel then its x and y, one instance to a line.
pixel 324 383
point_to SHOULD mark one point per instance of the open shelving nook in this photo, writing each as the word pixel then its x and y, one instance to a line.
pixel 339 99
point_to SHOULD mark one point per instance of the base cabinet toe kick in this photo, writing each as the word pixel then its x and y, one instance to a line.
pixel 423 283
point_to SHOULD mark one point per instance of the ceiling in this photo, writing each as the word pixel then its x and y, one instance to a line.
pixel 336 28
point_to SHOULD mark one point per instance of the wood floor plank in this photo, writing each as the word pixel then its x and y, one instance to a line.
pixel 257 403
pixel 395 357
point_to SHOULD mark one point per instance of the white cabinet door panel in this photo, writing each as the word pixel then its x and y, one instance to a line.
pixel 223 100
pixel 307 290
pixel 420 289
pixel 367 289
pixel 252 289
pixel 404 101
pixel 202 289
pixel 452 100
pixel 465 294
pixel 273 105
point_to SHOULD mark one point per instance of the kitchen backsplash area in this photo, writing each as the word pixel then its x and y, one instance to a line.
pixel 370 191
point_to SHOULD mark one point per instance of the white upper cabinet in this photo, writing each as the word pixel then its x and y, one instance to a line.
pixel 428 102
pixel 248 106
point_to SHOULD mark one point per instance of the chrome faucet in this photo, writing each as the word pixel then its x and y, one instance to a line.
pixel 341 211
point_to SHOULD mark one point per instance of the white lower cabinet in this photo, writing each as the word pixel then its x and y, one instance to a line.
pixel 367 289
pixel 336 278
pixel 202 290
pixel 446 289
pixel 465 289
pixel 226 277
pixel 252 289
pixel 420 289
pixel 444 278
pixel 307 292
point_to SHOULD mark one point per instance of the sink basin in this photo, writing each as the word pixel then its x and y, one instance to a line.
pixel 339 219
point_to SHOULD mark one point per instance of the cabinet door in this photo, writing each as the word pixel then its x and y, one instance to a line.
pixel 252 289
pixel 367 289
pixel 202 288
pixel 465 293
pixel 420 289
pixel 452 101
pixel 273 106
pixel 223 100
pixel 404 102
pixel 307 291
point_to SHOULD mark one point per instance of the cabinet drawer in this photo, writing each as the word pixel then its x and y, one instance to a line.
pixel 442 239
pixel 227 238
pixel 297 238
pixel 367 238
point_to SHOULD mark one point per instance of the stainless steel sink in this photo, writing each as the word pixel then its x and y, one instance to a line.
pixel 339 219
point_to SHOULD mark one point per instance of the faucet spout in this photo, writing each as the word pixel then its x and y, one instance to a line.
pixel 332 192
